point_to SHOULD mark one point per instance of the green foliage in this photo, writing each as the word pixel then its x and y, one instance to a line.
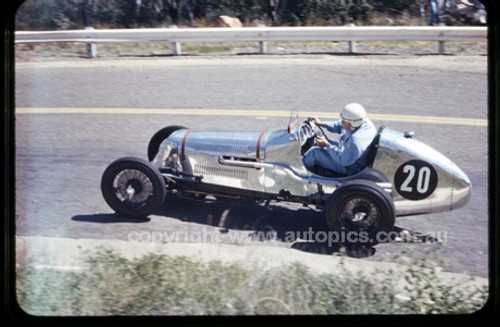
pixel 398 6
pixel 429 297
pixel 47 15
pixel 67 14
pixel 160 285
pixel 330 11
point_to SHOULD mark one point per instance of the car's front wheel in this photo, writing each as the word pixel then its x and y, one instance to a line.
pixel 133 187
pixel 361 212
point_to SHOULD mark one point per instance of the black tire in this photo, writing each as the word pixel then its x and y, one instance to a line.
pixel 158 138
pixel 133 187
pixel 360 211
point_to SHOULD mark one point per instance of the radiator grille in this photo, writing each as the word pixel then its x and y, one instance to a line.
pixel 220 172
pixel 221 148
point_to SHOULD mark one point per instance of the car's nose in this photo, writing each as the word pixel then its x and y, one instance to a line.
pixel 461 187
pixel 424 179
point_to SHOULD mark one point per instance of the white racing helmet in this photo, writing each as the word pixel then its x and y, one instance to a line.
pixel 354 114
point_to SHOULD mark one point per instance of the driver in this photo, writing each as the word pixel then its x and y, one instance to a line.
pixel 356 133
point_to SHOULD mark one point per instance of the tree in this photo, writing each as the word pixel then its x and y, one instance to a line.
pixel 65 14
pixel 52 15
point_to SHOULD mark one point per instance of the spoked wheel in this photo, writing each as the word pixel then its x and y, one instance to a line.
pixel 361 210
pixel 133 187
pixel 158 138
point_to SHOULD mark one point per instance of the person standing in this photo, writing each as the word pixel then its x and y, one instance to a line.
pixel 434 12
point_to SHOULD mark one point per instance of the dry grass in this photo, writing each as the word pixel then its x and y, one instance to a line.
pixel 159 285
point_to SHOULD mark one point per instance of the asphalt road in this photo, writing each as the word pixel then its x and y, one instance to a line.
pixel 60 157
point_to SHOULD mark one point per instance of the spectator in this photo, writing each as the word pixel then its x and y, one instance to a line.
pixel 434 12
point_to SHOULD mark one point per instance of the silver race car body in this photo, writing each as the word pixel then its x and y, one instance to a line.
pixel 403 176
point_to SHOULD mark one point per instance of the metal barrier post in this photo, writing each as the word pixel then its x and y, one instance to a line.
pixel 351 44
pixel 262 47
pixel 91 47
pixel 442 49
pixel 176 46
pixel 352 47
pixel 262 44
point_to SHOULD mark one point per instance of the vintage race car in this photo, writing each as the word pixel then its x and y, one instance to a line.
pixel 401 175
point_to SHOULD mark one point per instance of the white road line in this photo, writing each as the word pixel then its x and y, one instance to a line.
pixel 253 113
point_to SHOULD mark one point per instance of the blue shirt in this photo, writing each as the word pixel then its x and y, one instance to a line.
pixel 351 145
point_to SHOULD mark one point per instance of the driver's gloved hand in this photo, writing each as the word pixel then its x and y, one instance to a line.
pixel 314 120
pixel 321 142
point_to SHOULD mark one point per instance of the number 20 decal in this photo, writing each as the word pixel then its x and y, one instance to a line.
pixel 415 180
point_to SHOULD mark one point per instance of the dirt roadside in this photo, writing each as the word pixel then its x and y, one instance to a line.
pixel 472 63
pixel 459 55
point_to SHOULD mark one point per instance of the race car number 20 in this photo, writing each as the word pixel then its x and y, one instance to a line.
pixel 415 180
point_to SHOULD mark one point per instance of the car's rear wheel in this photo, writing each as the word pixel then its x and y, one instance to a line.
pixel 158 138
pixel 133 187
pixel 361 212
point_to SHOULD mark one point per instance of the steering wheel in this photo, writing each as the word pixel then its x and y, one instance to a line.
pixel 306 132
pixel 309 130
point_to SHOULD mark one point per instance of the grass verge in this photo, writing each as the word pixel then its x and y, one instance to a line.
pixel 161 285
